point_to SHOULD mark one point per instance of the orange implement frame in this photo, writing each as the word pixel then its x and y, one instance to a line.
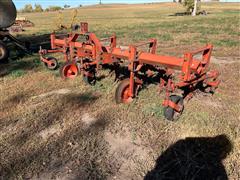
pixel 91 53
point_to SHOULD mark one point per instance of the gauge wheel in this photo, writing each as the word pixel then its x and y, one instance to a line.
pixel 170 113
pixel 122 92
pixel 53 65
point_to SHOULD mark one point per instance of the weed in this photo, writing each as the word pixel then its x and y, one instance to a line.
pixel 17 73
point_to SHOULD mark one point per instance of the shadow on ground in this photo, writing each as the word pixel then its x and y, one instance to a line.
pixel 30 42
pixel 193 158
pixel 72 151
pixel 19 67
pixel 181 14
pixel 35 41
pixel 203 12
pixel 20 60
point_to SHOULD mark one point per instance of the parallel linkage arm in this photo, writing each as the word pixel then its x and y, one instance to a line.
pixel 188 59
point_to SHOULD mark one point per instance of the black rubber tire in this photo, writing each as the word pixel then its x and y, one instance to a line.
pixel 120 89
pixel 90 80
pixel 4 53
pixel 54 65
pixel 170 112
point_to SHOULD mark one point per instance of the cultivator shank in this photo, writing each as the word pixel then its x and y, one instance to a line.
pixel 178 76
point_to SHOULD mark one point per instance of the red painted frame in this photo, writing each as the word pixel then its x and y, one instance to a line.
pixel 192 71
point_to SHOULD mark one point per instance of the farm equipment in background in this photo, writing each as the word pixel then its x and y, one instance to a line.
pixel 7 19
pixel 24 22
pixel 85 54
pixel 72 26
pixel 19 24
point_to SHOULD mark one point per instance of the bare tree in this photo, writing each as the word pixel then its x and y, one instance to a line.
pixel 194 12
pixel 192 6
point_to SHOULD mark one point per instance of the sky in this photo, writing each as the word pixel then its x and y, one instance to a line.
pixel 74 3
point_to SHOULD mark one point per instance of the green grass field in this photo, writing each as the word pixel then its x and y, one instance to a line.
pixel 50 128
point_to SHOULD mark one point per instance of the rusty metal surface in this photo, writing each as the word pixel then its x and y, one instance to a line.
pixel 8 13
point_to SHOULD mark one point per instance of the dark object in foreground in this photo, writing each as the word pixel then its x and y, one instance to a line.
pixel 193 158
pixel 6 37
pixel 8 13
pixel 7 18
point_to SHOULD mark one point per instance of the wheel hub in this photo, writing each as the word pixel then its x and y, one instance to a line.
pixel 52 64
pixel 70 71
pixel 125 96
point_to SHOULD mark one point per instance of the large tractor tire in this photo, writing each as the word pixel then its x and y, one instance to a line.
pixel 4 53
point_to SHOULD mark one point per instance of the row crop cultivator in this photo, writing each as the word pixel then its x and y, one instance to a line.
pixel 178 76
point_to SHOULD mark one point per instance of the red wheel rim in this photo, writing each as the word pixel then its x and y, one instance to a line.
pixel 70 71
pixel 125 95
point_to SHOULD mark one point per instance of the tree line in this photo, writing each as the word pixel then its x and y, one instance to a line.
pixel 192 7
pixel 28 8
